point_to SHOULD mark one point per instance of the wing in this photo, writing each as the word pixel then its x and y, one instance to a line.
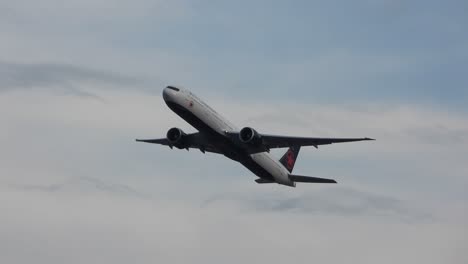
pixel 267 142
pixel 271 141
pixel 194 140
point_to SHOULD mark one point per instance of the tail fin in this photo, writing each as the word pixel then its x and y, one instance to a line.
pixel 289 158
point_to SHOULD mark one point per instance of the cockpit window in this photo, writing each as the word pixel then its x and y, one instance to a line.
pixel 173 88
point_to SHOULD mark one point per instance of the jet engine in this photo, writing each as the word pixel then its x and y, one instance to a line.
pixel 176 137
pixel 249 135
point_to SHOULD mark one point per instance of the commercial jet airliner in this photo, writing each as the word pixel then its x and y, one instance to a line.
pixel 247 146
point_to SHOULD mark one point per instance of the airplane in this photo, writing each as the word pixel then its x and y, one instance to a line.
pixel 246 146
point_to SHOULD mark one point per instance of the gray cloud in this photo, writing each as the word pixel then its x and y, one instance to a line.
pixel 82 185
pixel 63 78
pixel 439 134
pixel 76 216
pixel 341 201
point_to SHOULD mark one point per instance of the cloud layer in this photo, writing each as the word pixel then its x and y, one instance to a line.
pixel 80 80
pixel 93 194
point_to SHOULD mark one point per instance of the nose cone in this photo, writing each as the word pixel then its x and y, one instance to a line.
pixel 166 94
pixel 170 92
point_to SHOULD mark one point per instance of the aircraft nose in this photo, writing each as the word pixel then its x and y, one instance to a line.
pixel 167 94
pixel 170 93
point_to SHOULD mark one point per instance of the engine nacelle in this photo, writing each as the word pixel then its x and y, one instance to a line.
pixel 176 137
pixel 249 135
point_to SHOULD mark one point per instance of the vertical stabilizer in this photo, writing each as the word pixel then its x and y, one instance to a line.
pixel 289 158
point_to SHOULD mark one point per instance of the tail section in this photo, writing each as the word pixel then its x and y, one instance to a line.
pixel 289 158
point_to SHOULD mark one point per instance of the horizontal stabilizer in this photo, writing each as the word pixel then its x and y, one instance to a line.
pixel 161 141
pixel 298 178
pixel 260 181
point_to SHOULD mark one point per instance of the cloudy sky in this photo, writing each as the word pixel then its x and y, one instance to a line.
pixel 80 80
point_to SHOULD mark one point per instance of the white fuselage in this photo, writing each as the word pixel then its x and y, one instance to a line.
pixel 191 103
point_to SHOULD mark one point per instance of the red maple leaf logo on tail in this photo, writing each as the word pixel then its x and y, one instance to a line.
pixel 290 160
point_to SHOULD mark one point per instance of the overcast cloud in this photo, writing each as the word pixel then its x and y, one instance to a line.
pixel 80 80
